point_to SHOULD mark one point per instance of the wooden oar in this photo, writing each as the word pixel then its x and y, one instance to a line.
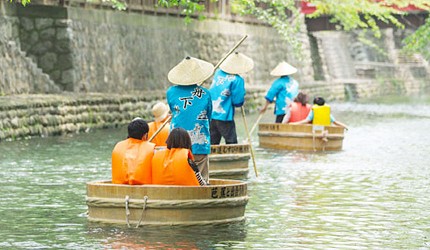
pixel 216 67
pixel 249 141
pixel 256 123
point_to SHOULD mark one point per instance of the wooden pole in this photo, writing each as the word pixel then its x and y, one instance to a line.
pixel 256 123
pixel 160 128
pixel 228 53
pixel 249 141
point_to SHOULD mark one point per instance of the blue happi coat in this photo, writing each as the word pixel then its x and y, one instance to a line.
pixel 227 91
pixel 284 90
pixel 191 108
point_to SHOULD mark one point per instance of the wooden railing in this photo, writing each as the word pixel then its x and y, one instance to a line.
pixel 217 10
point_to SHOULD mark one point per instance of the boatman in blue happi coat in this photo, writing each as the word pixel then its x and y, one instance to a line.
pixel 191 106
pixel 283 90
pixel 227 92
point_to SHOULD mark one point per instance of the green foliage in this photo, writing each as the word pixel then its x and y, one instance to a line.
pixel 23 2
pixel 118 4
pixel 285 16
pixel 282 15
pixel 188 8
pixel 419 42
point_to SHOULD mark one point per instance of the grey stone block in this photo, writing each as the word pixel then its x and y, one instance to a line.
pixel 43 23
pixel 48 61
pixel 27 23
pixel 41 47
pixel 47 34
pixel 65 61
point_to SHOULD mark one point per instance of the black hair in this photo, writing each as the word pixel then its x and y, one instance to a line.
pixel 302 98
pixel 137 129
pixel 178 138
pixel 319 101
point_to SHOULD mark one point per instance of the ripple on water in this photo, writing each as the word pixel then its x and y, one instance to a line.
pixel 374 194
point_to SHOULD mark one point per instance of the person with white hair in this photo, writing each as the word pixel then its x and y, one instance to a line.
pixel 191 106
pixel 160 111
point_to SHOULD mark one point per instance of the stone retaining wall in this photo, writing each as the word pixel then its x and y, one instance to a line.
pixel 24 116
pixel 19 73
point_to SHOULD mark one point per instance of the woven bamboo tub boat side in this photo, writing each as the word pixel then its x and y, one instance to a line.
pixel 223 201
pixel 229 161
pixel 300 137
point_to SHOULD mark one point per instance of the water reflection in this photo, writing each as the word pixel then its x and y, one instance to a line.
pixel 192 237
pixel 374 194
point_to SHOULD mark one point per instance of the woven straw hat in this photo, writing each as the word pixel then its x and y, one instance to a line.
pixel 160 111
pixel 237 63
pixel 190 71
pixel 283 69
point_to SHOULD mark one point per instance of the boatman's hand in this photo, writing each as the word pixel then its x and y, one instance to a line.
pixel 263 109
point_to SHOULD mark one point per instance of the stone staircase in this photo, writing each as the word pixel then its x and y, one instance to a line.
pixel 20 74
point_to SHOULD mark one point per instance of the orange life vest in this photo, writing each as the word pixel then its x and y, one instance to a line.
pixel 161 137
pixel 170 167
pixel 131 162
pixel 299 112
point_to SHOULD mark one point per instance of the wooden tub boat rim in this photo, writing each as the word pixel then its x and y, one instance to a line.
pixel 109 183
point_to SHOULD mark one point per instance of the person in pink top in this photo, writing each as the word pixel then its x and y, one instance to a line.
pixel 299 109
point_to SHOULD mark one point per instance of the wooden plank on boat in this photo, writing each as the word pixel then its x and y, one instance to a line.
pixel 223 201
pixel 304 137
pixel 229 161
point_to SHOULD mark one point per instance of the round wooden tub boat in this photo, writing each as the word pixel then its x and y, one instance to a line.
pixel 223 201
pixel 304 137
pixel 229 161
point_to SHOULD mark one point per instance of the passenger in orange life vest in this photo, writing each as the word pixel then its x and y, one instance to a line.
pixel 175 165
pixel 131 158
pixel 320 115
pixel 298 110
pixel 161 114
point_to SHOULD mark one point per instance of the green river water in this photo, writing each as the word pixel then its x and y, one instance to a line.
pixel 375 194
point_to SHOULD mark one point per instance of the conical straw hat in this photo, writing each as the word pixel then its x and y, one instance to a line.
pixel 237 63
pixel 190 71
pixel 283 69
pixel 160 111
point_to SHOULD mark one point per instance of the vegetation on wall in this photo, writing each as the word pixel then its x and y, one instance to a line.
pixel 285 16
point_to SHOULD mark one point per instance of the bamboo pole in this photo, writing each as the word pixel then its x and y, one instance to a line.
pixel 256 123
pixel 228 53
pixel 249 141
pixel 160 128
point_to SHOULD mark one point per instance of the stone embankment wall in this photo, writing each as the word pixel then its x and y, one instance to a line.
pixel 24 116
pixel 44 115
pixel 19 73
pixel 93 50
